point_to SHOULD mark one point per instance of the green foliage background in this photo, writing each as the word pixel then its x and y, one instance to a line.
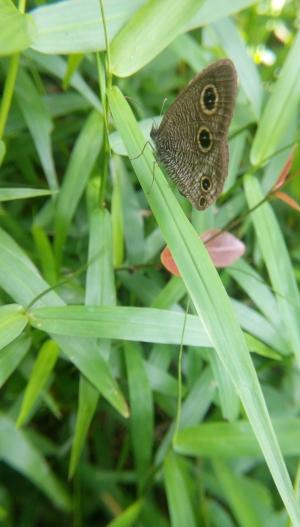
pixel 91 326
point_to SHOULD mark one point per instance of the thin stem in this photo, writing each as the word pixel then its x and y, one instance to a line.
pixel 106 145
pixel 105 81
pixel 8 91
pixel 22 6
pixel 108 65
pixel 10 82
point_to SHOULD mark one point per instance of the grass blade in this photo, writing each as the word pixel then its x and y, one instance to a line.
pixel 148 32
pixel 208 294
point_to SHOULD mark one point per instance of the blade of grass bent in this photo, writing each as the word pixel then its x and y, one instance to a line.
pixel 208 294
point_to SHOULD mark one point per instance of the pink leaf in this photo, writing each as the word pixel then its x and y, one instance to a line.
pixel 223 247
pixel 284 173
pixel 168 262
pixel 287 199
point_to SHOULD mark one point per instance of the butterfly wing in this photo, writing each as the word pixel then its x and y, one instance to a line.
pixel 191 141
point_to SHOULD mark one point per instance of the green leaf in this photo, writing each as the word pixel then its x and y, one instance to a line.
pixel 41 370
pixel 233 440
pixel 133 220
pixel 12 355
pixel 141 404
pixel 214 10
pixel 117 220
pixel 39 123
pixel 148 32
pixel 128 517
pixel 207 293
pixel 18 452
pixel 261 349
pixel 23 282
pixel 179 503
pixel 280 108
pixel 194 408
pixel 143 324
pixel 255 287
pixel 277 260
pixel 45 254
pixel 75 26
pixel 229 401
pixel 80 165
pixel 16 29
pixel 126 323
pixel 13 320
pixel 235 47
pixel 88 399
pixel 100 289
pixel 9 194
pixel 74 62
pixel 57 67
pixel 2 151
pixel 100 275
pixel 248 500
pixel 254 323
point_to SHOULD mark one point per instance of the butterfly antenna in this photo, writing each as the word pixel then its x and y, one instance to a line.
pixel 163 105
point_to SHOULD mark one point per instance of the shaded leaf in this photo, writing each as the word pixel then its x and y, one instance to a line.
pixel 179 503
pixel 18 452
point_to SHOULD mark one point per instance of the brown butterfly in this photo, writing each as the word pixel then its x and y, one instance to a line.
pixel 191 140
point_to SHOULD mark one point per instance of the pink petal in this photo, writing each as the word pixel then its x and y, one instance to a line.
pixel 224 248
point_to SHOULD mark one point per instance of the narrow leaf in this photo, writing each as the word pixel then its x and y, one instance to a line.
pixel 148 32
pixel 280 108
pixel 18 452
pixel 42 368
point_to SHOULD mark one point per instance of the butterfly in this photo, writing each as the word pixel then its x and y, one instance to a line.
pixel 191 140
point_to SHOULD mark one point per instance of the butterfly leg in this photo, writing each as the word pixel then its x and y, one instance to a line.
pixel 153 174
pixel 142 151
